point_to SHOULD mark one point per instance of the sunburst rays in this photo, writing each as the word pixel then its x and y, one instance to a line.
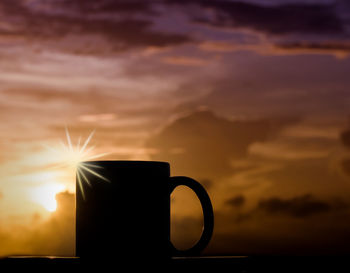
pixel 78 157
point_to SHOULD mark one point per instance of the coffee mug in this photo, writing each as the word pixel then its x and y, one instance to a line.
pixel 123 210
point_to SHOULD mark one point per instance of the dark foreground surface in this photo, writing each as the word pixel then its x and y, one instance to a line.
pixel 180 264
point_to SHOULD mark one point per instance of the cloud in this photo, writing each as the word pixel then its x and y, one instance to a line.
pixel 303 224
pixel 207 183
pixel 277 19
pixel 106 27
pixel 185 61
pixel 114 22
pixel 321 28
pixel 208 142
pixel 120 6
pixel 345 139
pixel 97 118
pixel 1 195
pixel 55 236
pixel 300 206
pixel 292 149
pixel 236 201
pixel 300 225
pixel 340 49
pixel 261 88
pixel 85 106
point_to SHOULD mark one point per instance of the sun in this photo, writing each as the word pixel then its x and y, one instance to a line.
pixel 70 158
pixel 45 195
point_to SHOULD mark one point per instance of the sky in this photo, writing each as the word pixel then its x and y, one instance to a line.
pixel 249 97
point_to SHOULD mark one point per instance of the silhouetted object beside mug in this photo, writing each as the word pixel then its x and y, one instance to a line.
pixel 129 216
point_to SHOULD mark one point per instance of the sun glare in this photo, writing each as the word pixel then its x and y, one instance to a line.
pixel 72 157
pixel 45 195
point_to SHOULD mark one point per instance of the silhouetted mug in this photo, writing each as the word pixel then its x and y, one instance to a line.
pixel 123 210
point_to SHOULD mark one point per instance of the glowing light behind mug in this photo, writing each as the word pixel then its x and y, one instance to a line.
pixel 44 171
pixel 45 195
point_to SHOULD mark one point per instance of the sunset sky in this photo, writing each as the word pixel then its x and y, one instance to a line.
pixel 249 97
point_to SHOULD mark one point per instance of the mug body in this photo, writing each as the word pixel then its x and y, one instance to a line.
pixel 123 210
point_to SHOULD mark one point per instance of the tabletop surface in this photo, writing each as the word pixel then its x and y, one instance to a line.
pixel 190 264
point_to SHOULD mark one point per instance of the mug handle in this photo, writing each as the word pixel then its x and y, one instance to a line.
pixel 208 215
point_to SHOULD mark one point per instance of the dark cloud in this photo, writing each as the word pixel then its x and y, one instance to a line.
pixel 122 25
pixel 345 139
pixel 130 33
pixel 202 144
pixel 272 19
pixel 207 183
pixel 119 6
pixel 261 231
pixel 296 28
pixel 336 47
pixel 300 225
pixel 300 206
pixel 113 20
pixel 236 201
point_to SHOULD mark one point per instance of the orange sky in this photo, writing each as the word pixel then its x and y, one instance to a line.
pixel 251 98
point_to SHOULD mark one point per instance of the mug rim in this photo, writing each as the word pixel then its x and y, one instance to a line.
pixel 127 162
